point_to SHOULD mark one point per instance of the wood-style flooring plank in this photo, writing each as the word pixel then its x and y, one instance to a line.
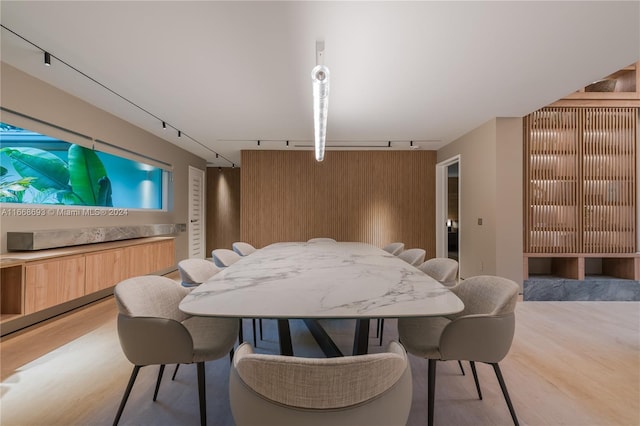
pixel 571 363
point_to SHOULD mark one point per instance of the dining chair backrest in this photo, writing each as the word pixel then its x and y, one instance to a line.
pixel 321 240
pixel 224 257
pixel 194 272
pixel 414 256
pixel 242 248
pixel 441 269
pixel 394 248
pixel 373 389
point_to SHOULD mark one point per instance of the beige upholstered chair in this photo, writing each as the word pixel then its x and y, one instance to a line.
pixel 321 240
pixel 152 330
pixel 394 248
pixel 414 256
pixel 194 272
pixel 224 257
pixel 442 269
pixel 482 332
pixel 373 389
pixel 243 249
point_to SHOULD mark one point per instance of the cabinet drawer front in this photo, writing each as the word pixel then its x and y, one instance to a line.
pixel 53 282
pixel 104 270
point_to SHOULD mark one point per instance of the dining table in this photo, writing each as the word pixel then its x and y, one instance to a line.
pixel 321 280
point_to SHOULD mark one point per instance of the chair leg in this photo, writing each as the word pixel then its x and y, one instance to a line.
pixel 475 378
pixel 202 394
pixel 132 380
pixel 381 329
pixel 260 322
pixel 255 341
pixel 240 334
pixel 503 386
pixel 431 390
pixel 461 368
pixel 175 372
pixel 378 328
pixel 155 393
pixel 231 352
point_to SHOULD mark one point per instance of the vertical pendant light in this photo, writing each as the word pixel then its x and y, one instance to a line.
pixel 320 79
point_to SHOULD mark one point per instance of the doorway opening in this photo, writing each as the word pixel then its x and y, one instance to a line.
pixel 448 208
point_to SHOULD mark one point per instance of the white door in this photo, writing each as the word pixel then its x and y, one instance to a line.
pixel 196 213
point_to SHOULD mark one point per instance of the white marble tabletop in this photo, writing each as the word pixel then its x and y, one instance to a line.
pixel 321 280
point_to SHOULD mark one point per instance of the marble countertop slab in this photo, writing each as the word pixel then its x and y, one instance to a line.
pixel 321 280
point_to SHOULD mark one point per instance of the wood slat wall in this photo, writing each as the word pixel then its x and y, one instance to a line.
pixel 222 208
pixel 373 197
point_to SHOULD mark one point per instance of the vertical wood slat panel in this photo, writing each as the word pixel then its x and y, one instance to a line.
pixel 600 184
pixel 374 197
pixel 551 168
pixel 222 208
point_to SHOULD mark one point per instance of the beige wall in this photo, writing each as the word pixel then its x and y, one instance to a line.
pixel 491 190
pixel 32 97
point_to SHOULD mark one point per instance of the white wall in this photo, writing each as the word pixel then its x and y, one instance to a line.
pixel 32 97
pixel 491 190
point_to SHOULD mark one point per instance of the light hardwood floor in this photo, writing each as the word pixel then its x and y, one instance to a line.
pixel 571 363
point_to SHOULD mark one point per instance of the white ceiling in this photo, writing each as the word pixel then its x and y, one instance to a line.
pixel 230 73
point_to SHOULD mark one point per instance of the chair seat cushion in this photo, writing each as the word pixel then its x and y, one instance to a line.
pixel 212 338
pixel 421 336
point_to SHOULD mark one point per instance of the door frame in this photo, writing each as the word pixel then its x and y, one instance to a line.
pixel 442 239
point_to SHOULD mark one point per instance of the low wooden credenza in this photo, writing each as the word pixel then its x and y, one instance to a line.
pixel 38 285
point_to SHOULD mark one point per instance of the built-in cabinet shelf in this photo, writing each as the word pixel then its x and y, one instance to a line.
pixel 580 189
pixel 620 89
pixel 33 283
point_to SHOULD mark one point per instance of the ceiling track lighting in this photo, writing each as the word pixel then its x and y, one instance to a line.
pixel 233 165
pixel 320 83
pixel 179 133
pixel 287 143
pixel 47 62
pixel 258 142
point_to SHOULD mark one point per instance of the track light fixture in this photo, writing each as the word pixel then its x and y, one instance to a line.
pixel 287 143
pixel 233 165
pixel 179 133
pixel 258 142
pixel 47 62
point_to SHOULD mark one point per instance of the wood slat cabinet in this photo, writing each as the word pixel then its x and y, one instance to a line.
pixel 580 187
pixel 52 282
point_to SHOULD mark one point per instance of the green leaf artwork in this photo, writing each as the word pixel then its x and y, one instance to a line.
pixel 47 170
pixel 85 171
pixel 83 181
